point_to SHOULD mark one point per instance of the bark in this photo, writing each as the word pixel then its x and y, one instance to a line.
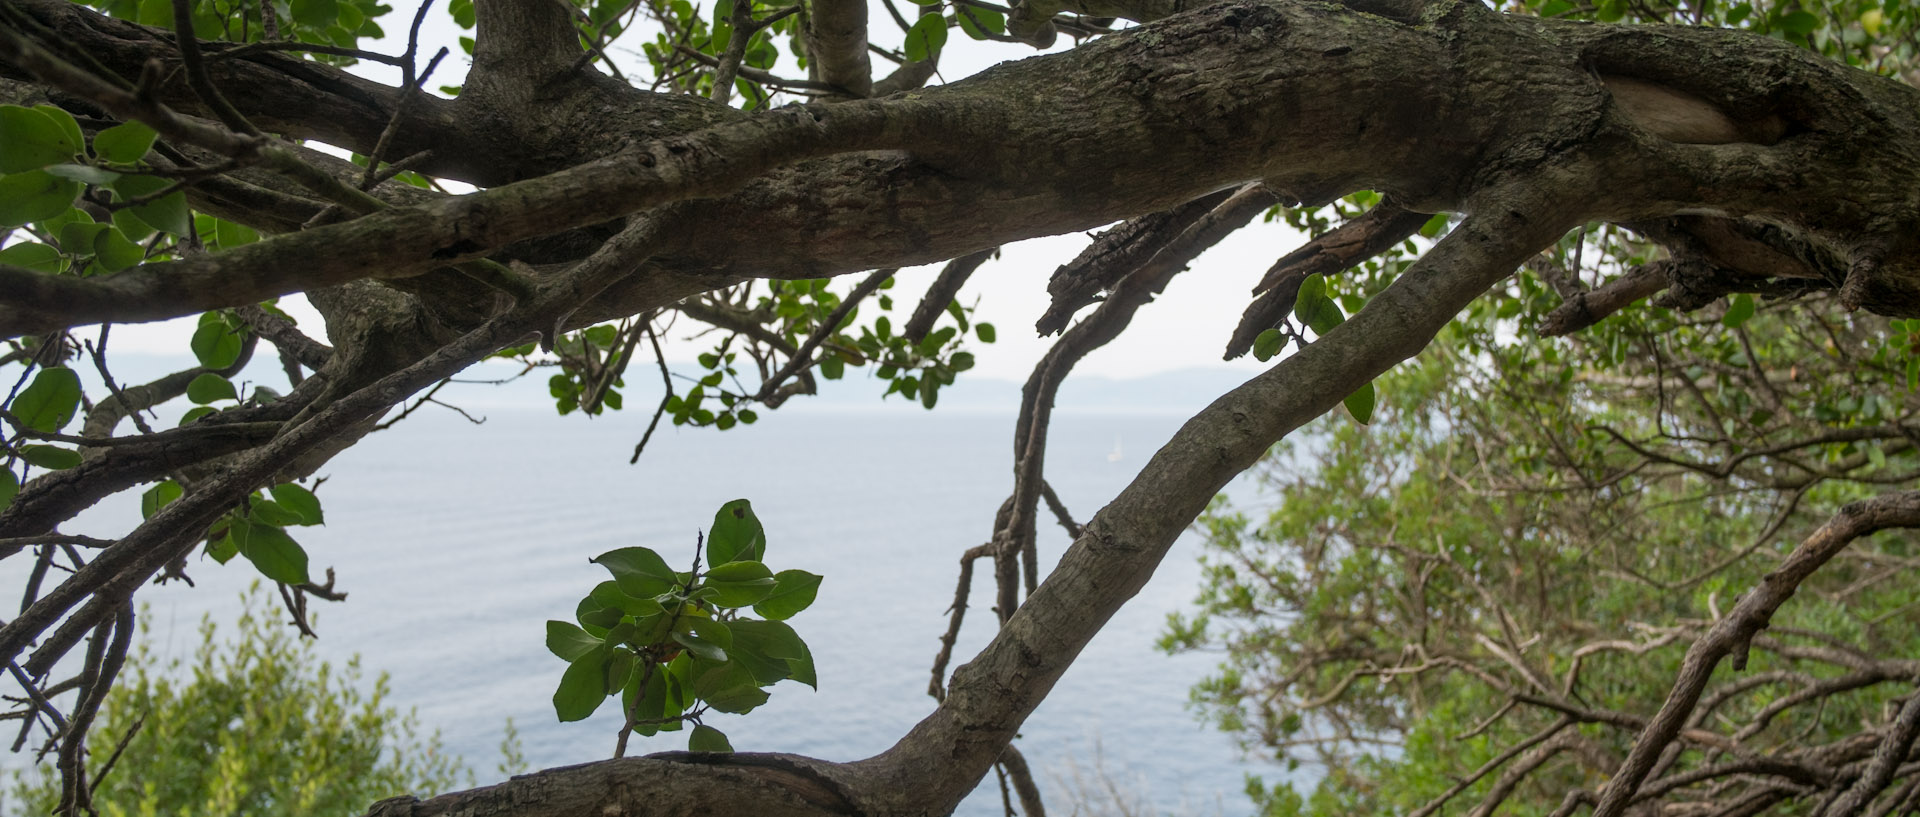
pixel 613 202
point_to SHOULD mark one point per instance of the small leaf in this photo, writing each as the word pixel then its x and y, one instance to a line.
pixel 1267 344
pixel 50 457
pixel 300 501
pixel 640 572
pixel 274 554
pixel 30 139
pixel 701 647
pixel 50 403
pixel 736 534
pixel 985 331
pixel 1799 23
pixel 157 497
pixel 125 143
pixel 209 388
pixel 705 738
pixel 738 584
pixel 582 686
pixel 1360 404
pixel 34 256
pixel 9 486
pixel 215 344
pixel 1739 309
pixel 35 195
pixel 924 40
pixel 268 512
pixel 727 687
pixel 979 23
pixel 793 591
pixel 316 13
pixel 609 594
pixel 168 213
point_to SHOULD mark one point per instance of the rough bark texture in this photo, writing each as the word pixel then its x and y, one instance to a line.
pixel 614 202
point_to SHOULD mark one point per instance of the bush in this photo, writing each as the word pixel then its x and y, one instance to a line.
pixel 259 726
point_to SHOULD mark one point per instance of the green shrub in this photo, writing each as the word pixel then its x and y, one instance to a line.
pixel 257 725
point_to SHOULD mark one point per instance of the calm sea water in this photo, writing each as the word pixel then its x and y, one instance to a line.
pixel 457 542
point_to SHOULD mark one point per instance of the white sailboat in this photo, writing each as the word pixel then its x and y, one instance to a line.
pixel 1115 455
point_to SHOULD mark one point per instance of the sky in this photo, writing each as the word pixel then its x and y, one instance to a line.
pixel 1187 327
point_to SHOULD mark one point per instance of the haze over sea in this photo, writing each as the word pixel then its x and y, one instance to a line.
pixel 457 542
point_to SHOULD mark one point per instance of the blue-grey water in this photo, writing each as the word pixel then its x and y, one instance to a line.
pixel 457 542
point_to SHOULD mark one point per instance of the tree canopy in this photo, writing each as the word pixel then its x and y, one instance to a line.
pixel 160 162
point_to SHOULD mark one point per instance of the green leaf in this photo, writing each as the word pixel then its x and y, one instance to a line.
pixel 793 591
pixel 209 388
pixel 727 687
pixel 769 649
pixel 640 572
pixel 609 594
pixel 125 143
pixel 832 367
pixel 215 344
pixel 582 686
pixel 50 457
pixel 924 41
pixel 157 497
pixel 1267 344
pixel 736 534
pixel 79 237
pixel 9 486
pixel 715 631
pixel 84 174
pixel 705 738
pixel 229 235
pixel 41 258
pixel 979 23
pixel 985 331
pixel 50 403
pixel 1360 404
pixel 268 512
pixel 738 584
pixel 652 703
pixel 196 413
pixel 701 648
pixel 596 619
pixel 1799 23
pixel 35 195
pixel 300 501
pixel 274 554
pixel 168 213
pixel 1739 309
pixel 30 139
pixel 316 13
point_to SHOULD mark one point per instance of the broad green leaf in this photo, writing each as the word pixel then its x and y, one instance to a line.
pixel 50 457
pixel 125 143
pixel 640 572
pixel 711 630
pixel 924 40
pixel 985 331
pixel 209 388
pixel 979 23
pixel 68 125
pixel 196 413
pixel 34 195
pixel 1799 23
pixel 133 228
pixel 30 139
pixel 596 619
pixel 736 535
pixel 705 738
pixel 51 401
pixel 41 258
pixel 316 13
pixel 652 706
pixel 9 486
pixel 608 594
pixel 617 669
pixel 1267 344
pixel 727 687
pixel 701 647
pixel 157 497
pixel 268 512
pixel 79 237
pixel 84 174
pixel 168 213
pixel 215 344
pixel 1360 404
pixel 229 235
pixel 300 501
pixel 275 554
pixel 582 686
pixel 1739 309
pixel 767 649
pixel 738 584
pixel 793 591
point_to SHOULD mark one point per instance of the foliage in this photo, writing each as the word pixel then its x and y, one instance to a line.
pixel 674 645
pixel 255 725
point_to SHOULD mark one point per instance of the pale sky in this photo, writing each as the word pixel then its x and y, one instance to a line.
pixel 1187 327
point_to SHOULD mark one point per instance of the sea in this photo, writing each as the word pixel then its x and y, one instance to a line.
pixel 457 535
